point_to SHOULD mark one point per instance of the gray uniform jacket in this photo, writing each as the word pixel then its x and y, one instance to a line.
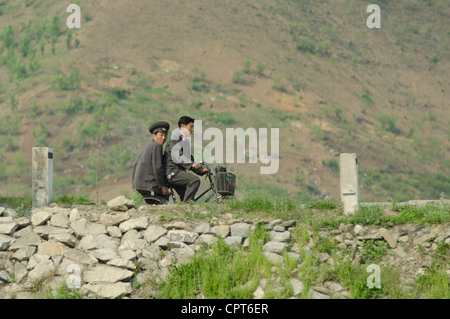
pixel 178 156
pixel 149 169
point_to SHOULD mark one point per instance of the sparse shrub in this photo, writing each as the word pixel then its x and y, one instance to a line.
pixel 24 45
pixel 237 76
pixel 199 85
pixel 305 44
pixel 260 68
pixel 331 164
pixel 324 47
pixel 71 82
pixel 120 93
pixel 247 64
pixel 387 123
pixel 223 118
pixel 7 36
pixel 367 100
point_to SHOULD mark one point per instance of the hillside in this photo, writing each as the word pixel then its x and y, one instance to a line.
pixel 311 68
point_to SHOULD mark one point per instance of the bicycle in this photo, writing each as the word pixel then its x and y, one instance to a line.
pixel 225 181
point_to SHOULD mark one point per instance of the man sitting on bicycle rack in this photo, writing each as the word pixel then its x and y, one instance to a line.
pixel 149 170
pixel 179 162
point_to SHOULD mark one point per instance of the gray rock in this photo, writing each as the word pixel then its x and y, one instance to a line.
pixel 183 236
pixel 274 247
pixel 114 231
pixel 202 228
pixel 104 254
pixel 184 254
pixel 206 239
pixel 259 293
pixel 51 248
pixel 4 277
pixel 178 225
pixel 234 240
pixel 162 242
pixel 240 229
pixel 132 234
pixel 82 227
pixel 46 230
pixel 5 242
pixel 108 291
pixel 280 236
pixel 297 286
pixel 153 233
pixel 134 223
pixel 30 239
pixel 41 271
pixel 97 241
pixel 60 220
pixel 101 274
pixel 79 257
pixel 133 244
pixel 175 244
pixel 120 203
pixel 2 209
pixel 37 259
pixel 127 254
pixel 64 238
pixel 279 228
pixel 359 230
pixel 122 263
pixel 275 222
pixel 7 228
pixel 114 219
pixel 40 217
pixel 273 258
pixel 221 230
pixel 318 295
pixel 20 271
pixel 289 223
pixel 424 238
pixel 9 212
pixel 390 237
pixel 22 222
pixel 24 253
pixel 295 257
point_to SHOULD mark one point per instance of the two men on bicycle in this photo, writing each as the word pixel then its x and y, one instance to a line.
pixel 154 171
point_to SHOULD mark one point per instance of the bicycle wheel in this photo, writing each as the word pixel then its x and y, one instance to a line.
pixel 208 198
pixel 154 200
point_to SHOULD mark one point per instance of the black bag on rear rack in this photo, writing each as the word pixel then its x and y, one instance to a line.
pixel 225 181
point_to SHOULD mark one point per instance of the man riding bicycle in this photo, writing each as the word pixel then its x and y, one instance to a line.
pixel 180 161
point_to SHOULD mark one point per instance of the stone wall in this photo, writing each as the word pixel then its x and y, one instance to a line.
pixel 98 250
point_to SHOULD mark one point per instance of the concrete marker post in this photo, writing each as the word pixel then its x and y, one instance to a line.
pixel 42 176
pixel 349 183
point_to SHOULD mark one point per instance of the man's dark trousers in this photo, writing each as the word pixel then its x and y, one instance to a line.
pixel 185 184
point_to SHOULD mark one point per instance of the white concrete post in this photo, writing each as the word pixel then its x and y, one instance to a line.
pixel 42 176
pixel 349 182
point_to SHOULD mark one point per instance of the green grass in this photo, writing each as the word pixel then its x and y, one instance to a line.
pixel 73 199
pixel 225 272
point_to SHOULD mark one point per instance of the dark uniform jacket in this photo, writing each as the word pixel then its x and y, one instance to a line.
pixel 178 155
pixel 149 169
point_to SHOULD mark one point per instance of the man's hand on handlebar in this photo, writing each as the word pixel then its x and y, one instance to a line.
pixel 165 191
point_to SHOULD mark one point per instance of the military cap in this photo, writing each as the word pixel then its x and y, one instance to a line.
pixel 161 126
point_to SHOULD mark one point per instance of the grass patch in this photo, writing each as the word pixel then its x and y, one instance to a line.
pixel 220 272
pixel 73 199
